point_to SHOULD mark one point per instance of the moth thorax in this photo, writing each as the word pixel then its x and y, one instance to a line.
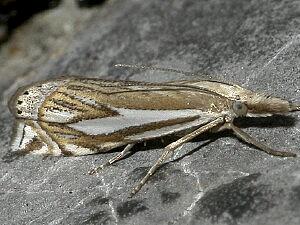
pixel 27 100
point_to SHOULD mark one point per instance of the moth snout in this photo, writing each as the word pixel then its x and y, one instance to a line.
pixel 265 104
pixel 294 107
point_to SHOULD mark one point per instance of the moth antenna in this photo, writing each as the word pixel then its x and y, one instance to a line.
pixel 143 67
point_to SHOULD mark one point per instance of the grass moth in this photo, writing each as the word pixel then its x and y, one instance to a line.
pixel 78 116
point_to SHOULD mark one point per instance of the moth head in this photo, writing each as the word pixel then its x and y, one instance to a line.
pixel 247 102
pixel 25 103
pixel 256 104
pixel 261 104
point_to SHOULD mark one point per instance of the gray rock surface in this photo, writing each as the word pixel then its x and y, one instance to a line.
pixel 223 181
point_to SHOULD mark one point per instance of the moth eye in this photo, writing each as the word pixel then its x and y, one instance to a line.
pixel 239 108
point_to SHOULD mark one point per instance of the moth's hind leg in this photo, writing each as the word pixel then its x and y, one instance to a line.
pixel 247 138
pixel 112 160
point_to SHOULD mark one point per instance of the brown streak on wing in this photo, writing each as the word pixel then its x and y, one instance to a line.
pixel 67 102
pixel 158 99
pixel 67 105
pixel 51 129
pixel 42 137
pixel 33 145
pixel 94 142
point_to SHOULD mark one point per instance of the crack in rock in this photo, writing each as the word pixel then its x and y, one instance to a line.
pixel 281 50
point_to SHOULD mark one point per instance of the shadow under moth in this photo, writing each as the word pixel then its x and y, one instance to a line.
pixel 78 116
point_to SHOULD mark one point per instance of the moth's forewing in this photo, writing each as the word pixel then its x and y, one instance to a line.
pixel 85 116
pixel 228 90
pixel 89 137
pixel 22 135
pixel 74 142
pixel 84 99
pixel 30 138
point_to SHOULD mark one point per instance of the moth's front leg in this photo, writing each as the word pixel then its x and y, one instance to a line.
pixel 250 140
pixel 247 138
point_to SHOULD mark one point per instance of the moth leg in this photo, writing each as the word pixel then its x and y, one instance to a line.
pixel 247 138
pixel 173 146
pixel 112 160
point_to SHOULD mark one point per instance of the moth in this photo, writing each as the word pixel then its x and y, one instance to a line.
pixel 76 116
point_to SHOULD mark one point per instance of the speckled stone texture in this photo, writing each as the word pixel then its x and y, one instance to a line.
pixel 215 179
